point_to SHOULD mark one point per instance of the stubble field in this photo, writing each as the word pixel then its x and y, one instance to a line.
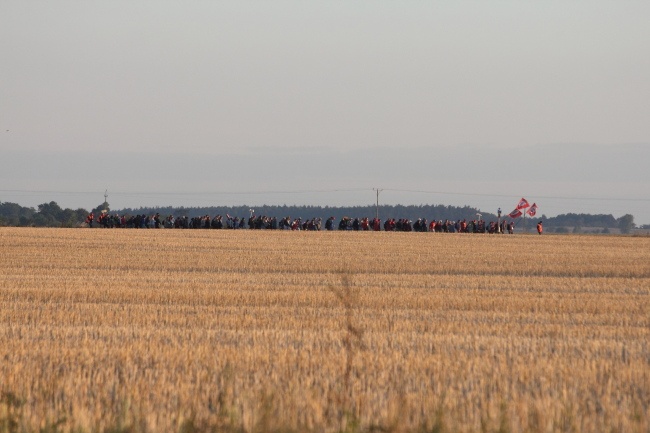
pixel 251 331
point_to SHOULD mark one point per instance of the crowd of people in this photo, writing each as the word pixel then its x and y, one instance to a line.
pixel 260 222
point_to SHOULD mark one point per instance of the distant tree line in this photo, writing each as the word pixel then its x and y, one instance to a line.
pixel 430 212
pixel 52 215
pixel 46 215
pixel 575 223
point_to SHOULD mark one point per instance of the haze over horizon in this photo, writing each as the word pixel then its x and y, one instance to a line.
pixel 317 103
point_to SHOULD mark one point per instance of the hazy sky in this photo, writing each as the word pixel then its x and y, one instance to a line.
pixel 200 103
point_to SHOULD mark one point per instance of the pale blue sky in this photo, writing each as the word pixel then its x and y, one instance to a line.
pixel 541 99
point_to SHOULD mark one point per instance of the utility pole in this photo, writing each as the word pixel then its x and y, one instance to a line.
pixel 377 207
pixel 499 220
pixel 105 201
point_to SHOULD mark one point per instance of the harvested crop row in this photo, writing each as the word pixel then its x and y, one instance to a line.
pixel 310 331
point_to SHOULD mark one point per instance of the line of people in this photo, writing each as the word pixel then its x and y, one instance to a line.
pixel 105 220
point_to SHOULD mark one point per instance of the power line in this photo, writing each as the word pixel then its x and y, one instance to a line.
pixel 510 195
pixel 133 193
pixel 314 191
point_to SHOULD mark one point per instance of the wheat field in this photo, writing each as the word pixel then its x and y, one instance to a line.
pixel 255 331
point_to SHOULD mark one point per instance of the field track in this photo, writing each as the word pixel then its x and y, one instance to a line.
pixel 158 330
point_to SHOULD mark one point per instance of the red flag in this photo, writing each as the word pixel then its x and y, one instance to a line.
pixel 523 204
pixel 533 210
pixel 515 214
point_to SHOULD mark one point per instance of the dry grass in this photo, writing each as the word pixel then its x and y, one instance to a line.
pixel 170 330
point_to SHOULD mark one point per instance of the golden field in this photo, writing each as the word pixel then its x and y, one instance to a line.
pixel 252 331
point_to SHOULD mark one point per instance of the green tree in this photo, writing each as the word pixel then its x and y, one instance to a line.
pixel 68 218
pixel 49 214
pixel 41 220
pixel 626 223
pixel 13 214
pixel 97 210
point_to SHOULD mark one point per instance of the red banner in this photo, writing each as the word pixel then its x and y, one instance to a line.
pixel 523 204
pixel 515 214
pixel 533 210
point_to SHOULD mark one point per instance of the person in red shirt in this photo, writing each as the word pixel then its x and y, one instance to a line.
pixel 540 229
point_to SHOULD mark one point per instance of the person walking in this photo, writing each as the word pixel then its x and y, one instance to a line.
pixel 540 229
